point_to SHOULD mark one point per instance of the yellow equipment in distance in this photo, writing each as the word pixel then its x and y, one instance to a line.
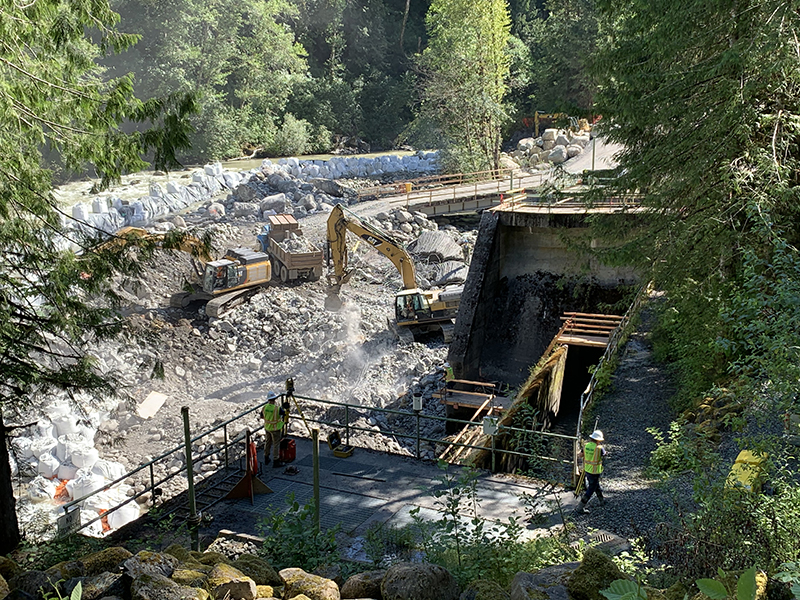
pixel 417 311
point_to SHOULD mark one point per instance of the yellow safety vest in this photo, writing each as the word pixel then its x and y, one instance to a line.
pixel 272 417
pixel 593 458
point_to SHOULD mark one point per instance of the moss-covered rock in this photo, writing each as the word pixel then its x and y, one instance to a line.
pixel 107 560
pixel 66 569
pixel 364 585
pixel 9 568
pixel 226 580
pixel 4 589
pixel 298 582
pixel 418 581
pixel 677 591
pixel 265 591
pixel 152 563
pixel 179 552
pixel 158 587
pixel 31 582
pixel 189 578
pixel 654 593
pixel 214 558
pixel 258 569
pixel 548 583
pixel 484 590
pixel 596 573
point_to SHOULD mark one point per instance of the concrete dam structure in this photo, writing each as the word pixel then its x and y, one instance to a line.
pixel 524 277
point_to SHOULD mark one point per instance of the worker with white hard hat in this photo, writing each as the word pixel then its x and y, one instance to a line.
pixel 593 454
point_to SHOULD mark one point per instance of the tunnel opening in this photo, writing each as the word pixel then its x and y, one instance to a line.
pixel 580 359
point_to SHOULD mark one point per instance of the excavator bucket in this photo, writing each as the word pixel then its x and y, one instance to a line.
pixel 333 302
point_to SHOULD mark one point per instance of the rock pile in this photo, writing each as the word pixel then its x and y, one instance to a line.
pixel 297 243
pixel 340 167
pixel 553 147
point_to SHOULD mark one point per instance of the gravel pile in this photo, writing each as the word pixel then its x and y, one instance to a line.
pixel 638 401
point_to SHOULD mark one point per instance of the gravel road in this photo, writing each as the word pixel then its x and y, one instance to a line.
pixel 638 401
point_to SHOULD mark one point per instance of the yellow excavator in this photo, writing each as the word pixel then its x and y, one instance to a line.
pixel 417 311
pixel 223 283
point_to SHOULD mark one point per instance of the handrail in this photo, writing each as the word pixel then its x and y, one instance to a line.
pixel 611 348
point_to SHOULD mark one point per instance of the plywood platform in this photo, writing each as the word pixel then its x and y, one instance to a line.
pixel 587 329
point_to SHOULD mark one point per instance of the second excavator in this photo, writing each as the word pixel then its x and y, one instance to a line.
pixel 417 311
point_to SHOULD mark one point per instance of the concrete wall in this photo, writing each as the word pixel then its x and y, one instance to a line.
pixel 523 276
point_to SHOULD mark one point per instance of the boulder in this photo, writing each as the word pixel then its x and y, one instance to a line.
pixel 66 570
pixel 245 209
pixel 258 569
pixel 151 563
pixel 264 591
pixel 330 187
pixel 96 587
pixel 595 573
pixel 245 193
pixel 4 589
pixel 562 140
pixel 298 582
pixel 225 581
pixel 280 203
pixel 8 568
pixel 215 209
pixel 151 586
pixel 418 581
pixel 550 135
pixel 545 584
pixel 548 145
pixel 179 552
pixel 574 150
pixel 364 585
pixel 484 590
pixel 31 582
pixel 436 246
pixel 557 155
pixel 189 578
pixel 309 202
pixel 212 558
pixel 19 595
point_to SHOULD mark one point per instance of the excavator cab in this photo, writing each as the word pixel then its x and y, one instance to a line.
pixel 220 275
pixel 411 305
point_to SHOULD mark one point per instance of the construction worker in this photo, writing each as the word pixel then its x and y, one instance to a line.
pixel 273 425
pixel 593 454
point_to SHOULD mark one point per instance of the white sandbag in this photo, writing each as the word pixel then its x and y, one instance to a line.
pixel 69 487
pixel 45 429
pixel 67 471
pixel 84 457
pixel 68 443
pixel 41 490
pixel 48 466
pixel 96 528
pixel 109 469
pixel 66 424
pixel 124 515
pixel 21 446
pixel 87 433
pixel 86 482
pixel 43 446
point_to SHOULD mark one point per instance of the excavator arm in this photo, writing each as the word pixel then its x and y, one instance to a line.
pixel 169 241
pixel 340 222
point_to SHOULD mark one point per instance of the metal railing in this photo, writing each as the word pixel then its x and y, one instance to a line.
pixel 233 450
pixel 433 182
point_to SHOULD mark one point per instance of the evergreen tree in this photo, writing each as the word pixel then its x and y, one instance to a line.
pixel 465 69
pixel 51 96
pixel 705 97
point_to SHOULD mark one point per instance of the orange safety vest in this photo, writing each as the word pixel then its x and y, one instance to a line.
pixel 272 417
pixel 593 458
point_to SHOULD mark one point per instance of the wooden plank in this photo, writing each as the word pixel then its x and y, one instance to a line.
pixel 602 316
pixel 465 430
pixel 584 341
pixel 585 321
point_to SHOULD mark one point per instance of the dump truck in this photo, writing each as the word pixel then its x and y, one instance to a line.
pixel 293 258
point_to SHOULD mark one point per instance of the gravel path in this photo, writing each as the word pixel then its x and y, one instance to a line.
pixel 638 401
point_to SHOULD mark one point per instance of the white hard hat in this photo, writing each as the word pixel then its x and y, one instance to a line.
pixel 272 396
pixel 597 435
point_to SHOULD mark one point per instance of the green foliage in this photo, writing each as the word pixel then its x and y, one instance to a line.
pixel 77 594
pixel 474 548
pixel 292 139
pixel 291 538
pixel 386 544
pixel 670 455
pixel 465 68
pixel 624 589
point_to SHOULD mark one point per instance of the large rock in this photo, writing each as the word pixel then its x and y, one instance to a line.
pixel 258 569
pixel 596 573
pixel 189 578
pixel 574 150
pixel 4 589
pixel 547 584
pixel 150 563
pixel 364 585
pixel 562 140
pixel 557 155
pixel 330 187
pixel 245 193
pixel 179 552
pixel 550 135
pixel 226 581
pixel 96 587
pixel 315 587
pixel 414 581
pixel 484 590
pixel 436 246
pixel 32 582
pixel 8 568
pixel 280 203
pixel 66 569
pixel 157 587
pixel 245 209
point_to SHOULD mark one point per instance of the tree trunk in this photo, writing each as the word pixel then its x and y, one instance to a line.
pixel 9 527
pixel 403 26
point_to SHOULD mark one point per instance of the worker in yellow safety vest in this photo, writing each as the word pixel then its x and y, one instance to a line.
pixel 593 454
pixel 273 425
